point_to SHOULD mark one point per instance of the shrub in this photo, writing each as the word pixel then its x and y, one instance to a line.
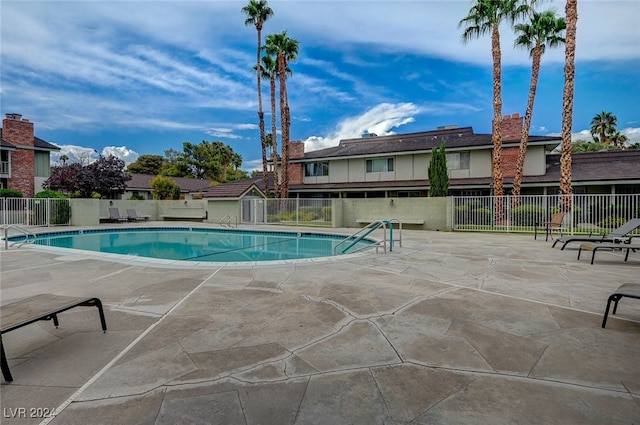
pixel 10 193
pixel 60 211
pixel 136 198
pixel 527 215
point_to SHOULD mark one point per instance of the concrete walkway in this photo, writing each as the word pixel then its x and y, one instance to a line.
pixel 452 328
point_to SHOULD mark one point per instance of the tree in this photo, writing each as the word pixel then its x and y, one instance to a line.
pixel 269 69
pixel 484 18
pixel 286 50
pixel 571 16
pixel 438 173
pixel 544 29
pixel 258 12
pixel 164 188
pixel 603 127
pixel 587 146
pixel 618 140
pixel 147 164
pixel 104 176
pixel 64 158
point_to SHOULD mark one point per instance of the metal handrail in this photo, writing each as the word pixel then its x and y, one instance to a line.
pixel 225 221
pixel 357 236
pixel 19 229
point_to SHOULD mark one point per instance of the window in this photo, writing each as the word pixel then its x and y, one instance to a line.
pixel 458 161
pixel 316 169
pixel 379 165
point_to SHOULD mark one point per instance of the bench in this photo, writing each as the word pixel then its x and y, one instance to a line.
pixel 185 214
pixel 39 307
pixel 593 247
pixel 631 290
pixel 402 220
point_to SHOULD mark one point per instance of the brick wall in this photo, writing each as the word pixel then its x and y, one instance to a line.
pixel 296 150
pixel 19 132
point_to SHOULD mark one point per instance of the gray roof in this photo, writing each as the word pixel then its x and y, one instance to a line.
pixel 143 181
pixel 454 138
pixel 234 189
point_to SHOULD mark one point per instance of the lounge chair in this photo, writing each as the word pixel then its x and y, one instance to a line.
pixel 630 290
pixel 114 215
pixel 621 234
pixel 40 307
pixel 132 215
pixel 549 226
pixel 594 247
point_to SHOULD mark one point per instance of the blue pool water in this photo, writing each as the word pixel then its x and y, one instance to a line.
pixel 196 244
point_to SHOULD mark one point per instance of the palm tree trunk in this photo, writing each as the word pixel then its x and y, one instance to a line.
pixel 571 16
pixel 263 145
pixel 524 135
pixel 496 132
pixel 284 182
pixel 274 136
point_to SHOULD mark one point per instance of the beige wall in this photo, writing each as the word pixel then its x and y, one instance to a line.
pixel 436 212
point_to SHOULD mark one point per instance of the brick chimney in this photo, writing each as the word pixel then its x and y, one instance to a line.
pixel 19 132
pixel 296 151
pixel 512 127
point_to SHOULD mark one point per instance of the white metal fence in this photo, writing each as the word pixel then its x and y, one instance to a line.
pixel 290 212
pixel 588 213
pixel 35 212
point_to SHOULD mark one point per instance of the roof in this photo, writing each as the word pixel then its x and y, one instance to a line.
pixel 143 181
pixel 586 168
pixel 426 141
pixel 37 143
pixel 235 189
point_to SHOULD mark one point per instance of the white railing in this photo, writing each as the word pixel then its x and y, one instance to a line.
pixel 35 212
pixel 290 212
pixel 586 213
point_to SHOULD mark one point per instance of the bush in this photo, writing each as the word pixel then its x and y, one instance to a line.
pixel 137 198
pixel 50 194
pixel 10 193
pixel 527 215
pixel 60 211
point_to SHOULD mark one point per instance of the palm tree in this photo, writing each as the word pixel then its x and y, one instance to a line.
pixel 603 126
pixel 285 49
pixel 571 16
pixel 258 12
pixel 236 161
pixel 618 139
pixel 544 29
pixel 269 69
pixel 484 18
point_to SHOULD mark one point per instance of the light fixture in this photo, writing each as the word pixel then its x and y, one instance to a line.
pixel 110 203
pixel 391 202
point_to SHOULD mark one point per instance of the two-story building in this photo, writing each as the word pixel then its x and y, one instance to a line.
pixel 24 158
pixel 397 165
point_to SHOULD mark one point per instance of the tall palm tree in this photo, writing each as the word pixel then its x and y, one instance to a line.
pixel 236 161
pixel 484 18
pixel 571 16
pixel 603 126
pixel 269 69
pixel 618 139
pixel 285 49
pixel 544 29
pixel 258 12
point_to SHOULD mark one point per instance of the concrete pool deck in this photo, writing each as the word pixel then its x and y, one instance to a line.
pixel 452 328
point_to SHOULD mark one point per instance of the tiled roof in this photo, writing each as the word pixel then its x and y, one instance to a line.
pixel 143 181
pixel 233 189
pixel 37 143
pixel 454 138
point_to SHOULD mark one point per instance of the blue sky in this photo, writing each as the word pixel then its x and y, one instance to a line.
pixel 140 77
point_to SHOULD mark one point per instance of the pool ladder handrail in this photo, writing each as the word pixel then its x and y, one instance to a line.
pixel 29 237
pixel 226 220
pixel 367 230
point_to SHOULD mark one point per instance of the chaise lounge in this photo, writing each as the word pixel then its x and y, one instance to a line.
pixel 621 234
pixel 630 290
pixel 132 215
pixel 114 215
pixel 40 307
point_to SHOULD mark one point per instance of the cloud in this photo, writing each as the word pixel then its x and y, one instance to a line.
pixel 378 120
pixel 84 156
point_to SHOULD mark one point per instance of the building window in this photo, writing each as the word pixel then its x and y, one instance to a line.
pixel 458 161
pixel 379 165
pixel 316 169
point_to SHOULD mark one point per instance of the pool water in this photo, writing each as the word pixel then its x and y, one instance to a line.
pixel 193 244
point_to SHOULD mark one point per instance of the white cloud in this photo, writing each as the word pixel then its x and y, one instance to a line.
pixel 86 156
pixel 122 152
pixel 379 120
pixel 633 134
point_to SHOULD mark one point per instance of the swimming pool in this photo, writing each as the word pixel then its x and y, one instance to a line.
pixel 200 244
